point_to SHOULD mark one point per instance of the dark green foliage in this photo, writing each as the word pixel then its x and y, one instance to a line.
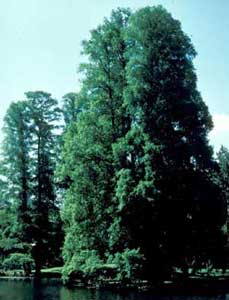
pixel 223 177
pixel 104 75
pixel 138 157
pixel 44 115
pixel 71 107
pixel 163 101
pixel 17 261
pixel 87 153
pixel 84 213
pixel 143 195
pixel 15 183
pixel 15 165
pixel 27 186
pixel 8 241
pixel 127 263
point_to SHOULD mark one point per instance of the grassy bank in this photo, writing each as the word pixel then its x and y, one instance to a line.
pixel 55 272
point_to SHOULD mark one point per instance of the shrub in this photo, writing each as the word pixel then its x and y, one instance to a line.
pixel 128 262
pixel 17 261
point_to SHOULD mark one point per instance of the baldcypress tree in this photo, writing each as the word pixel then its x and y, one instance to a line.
pixel 87 153
pixel 141 191
pixel 15 182
pixel 44 115
pixel 182 206
pixel 27 182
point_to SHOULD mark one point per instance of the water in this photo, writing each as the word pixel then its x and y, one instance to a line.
pixel 54 290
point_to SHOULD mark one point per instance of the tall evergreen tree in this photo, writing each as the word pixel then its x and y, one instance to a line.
pixel 88 145
pixel 27 182
pixel 16 176
pixel 182 206
pixel 146 126
pixel 44 115
pixel 142 190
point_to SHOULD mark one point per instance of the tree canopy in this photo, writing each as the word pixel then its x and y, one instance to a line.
pixel 124 166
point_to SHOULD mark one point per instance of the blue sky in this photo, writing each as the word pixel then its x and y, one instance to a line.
pixel 41 44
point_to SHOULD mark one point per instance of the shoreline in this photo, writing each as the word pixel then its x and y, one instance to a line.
pixel 187 286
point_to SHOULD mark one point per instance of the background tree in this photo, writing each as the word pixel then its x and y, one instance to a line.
pixel 27 182
pixel 223 160
pixel 15 183
pixel 71 107
pixel 222 179
pixel 44 115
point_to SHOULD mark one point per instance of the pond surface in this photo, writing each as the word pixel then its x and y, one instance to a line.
pixel 54 290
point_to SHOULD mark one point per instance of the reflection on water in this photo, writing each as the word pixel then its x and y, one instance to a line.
pixel 53 290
